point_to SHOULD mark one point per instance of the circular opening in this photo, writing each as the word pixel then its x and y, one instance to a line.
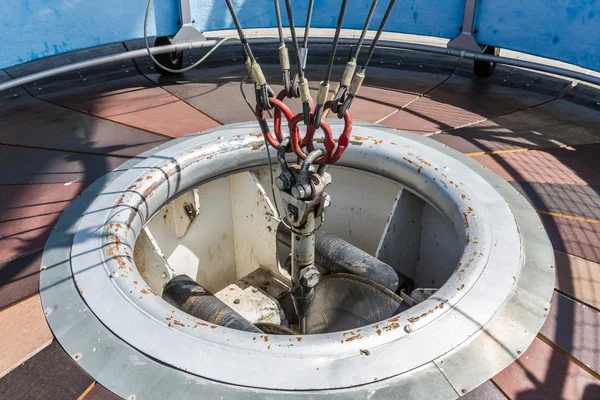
pixel 226 236
pixel 212 191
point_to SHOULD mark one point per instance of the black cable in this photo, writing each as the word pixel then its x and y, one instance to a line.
pixel 365 28
pixel 336 37
pixel 240 31
pixel 378 34
pixel 308 20
pixel 288 6
pixel 279 24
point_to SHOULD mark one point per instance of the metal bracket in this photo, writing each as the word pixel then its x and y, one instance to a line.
pixel 187 33
pixel 466 41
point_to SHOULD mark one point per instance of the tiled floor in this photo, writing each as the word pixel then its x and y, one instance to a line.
pixel 59 135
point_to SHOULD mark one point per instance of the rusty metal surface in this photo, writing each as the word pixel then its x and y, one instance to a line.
pixel 139 201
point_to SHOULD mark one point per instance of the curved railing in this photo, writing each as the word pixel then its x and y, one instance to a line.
pixel 565 30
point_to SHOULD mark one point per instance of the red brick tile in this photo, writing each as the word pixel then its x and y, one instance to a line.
pixel 575 237
pixel 24 333
pixel 33 122
pixel 578 277
pixel 556 123
pixel 459 101
pixel 21 165
pixel 28 213
pixel 410 121
pixel 543 373
pixel 113 98
pixel 575 328
pixel 566 165
pixel 174 119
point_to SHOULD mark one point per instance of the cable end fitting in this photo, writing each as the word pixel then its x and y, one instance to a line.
pixel 348 73
pixel 304 90
pixel 303 57
pixel 256 74
pixel 284 59
pixel 323 92
pixel 357 82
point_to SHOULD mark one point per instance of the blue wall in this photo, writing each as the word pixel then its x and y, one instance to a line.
pixel 567 30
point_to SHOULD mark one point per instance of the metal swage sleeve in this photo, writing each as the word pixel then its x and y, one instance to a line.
pixel 336 37
pixel 288 7
pixel 238 26
pixel 378 34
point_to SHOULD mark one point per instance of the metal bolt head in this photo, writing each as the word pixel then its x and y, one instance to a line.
pixel 301 192
pixel 408 328
pixel 236 301
pixel 309 276
pixel 163 275
pixel 284 181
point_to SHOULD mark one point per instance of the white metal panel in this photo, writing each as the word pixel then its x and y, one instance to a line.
pixel 254 241
pixel 400 243
pixel 440 249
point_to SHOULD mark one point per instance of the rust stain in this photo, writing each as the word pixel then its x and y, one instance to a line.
pixel 149 177
pixel 468 239
pixel 392 326
pixel 351 338
pixel 213 327
pixel 365 352
pixel 145 291
pixel 139 179
pixel 135 282
pixel 256 147
pixel 299 339
pixel 394 143
pixel 132 187
pixel 379 331
pixel 419 168
pixel 461 287
pixel 178 323
pixel 395 319
pixel 265 338
pixel 81 290
pixel 416 319
pixel 200 324
pixel 254 338
pixel 466 219
pixel 259 134
pixel 407 160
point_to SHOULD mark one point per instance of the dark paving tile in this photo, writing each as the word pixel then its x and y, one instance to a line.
pixel 115 97
pixel 28 213
pixel 33 122
pixel 19 279
pixel 576 200
pixel 99 392
pixel 407 120
pixel 487 391
pixel 20 165
pixel 6 96
pixel 565 165
pixel 518 78
pixel 575 328
pixel 173 120
pixel 579 238
pixel 88 76
pixel 578 277
pixel 553 124
pixel 460 101
pixel 50 374
pixel 543 373
pixel 585 94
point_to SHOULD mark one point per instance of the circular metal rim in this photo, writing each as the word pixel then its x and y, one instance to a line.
pixel 498 183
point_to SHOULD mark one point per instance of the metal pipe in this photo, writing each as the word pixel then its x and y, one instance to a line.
pixel 189 296
pixel 94 62
pixel 336 255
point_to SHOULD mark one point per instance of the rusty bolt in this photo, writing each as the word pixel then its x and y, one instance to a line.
pixel 236 301
pixel 309 276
